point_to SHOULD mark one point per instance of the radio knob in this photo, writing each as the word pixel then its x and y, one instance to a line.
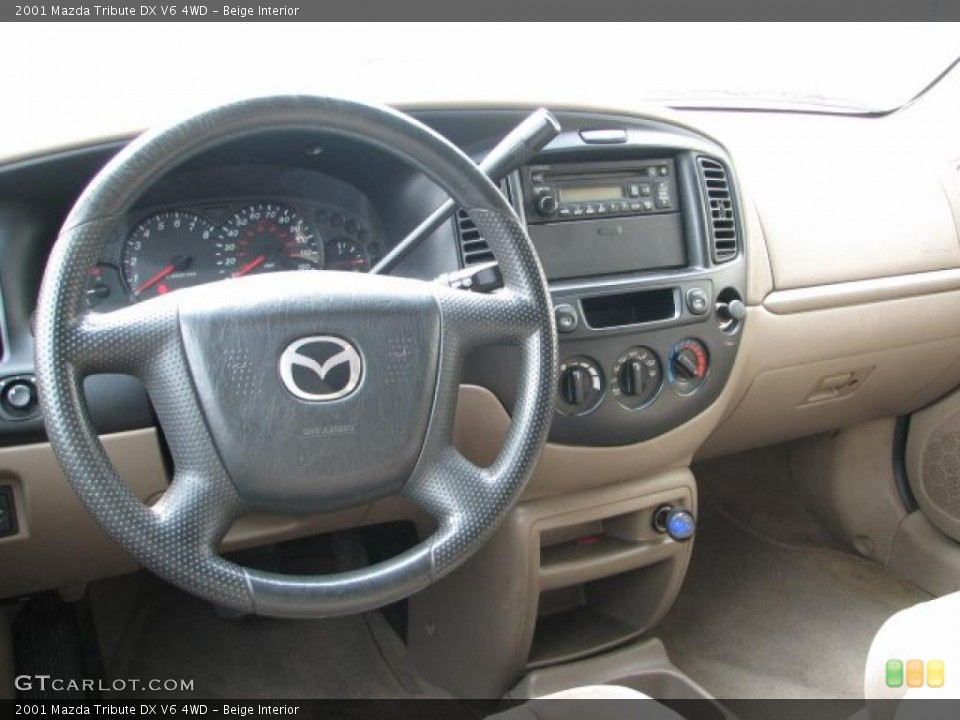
pixel 547 205
pixel 631 378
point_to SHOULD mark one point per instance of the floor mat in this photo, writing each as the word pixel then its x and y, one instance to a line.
pixel 49 639
pixel 759 617
pixel 148 629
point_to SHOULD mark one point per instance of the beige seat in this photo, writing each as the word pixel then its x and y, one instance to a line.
pixel 927 631
pixel 623 706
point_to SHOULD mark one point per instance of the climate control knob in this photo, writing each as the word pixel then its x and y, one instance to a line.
pixel 639 377
pixel 689 362
pixel 685 364
pixel 632 377
pixel 580 387
pixel 574 385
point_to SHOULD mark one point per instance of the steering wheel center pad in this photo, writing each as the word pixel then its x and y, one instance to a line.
pixel 287 453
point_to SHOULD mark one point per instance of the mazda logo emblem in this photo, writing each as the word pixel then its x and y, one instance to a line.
pixel 320 368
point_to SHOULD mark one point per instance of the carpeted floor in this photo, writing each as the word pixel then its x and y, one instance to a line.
pixel 148 629
pixel 772 607
pixel 156 631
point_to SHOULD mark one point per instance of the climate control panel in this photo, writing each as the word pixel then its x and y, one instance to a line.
pixel 636 378
pixel 641 359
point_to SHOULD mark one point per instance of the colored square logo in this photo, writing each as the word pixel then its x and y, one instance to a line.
pixel 894 673
pixel 914 673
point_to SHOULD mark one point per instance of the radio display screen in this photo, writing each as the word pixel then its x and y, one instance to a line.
pixel 591 194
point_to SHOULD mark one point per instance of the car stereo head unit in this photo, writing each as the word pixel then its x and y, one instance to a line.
pixel 589 219
pixel 569 192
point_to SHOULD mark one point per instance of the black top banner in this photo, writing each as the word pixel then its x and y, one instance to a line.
pixel 509 10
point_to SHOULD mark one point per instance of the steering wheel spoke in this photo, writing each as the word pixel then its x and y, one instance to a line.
pixel 128 340
pixel 198 510
pixel 472 320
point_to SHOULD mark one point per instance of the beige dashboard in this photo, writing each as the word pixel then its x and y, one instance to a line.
pixel 853 253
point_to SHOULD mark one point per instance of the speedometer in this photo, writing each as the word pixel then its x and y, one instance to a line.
pixel 267 237
pixel 167 251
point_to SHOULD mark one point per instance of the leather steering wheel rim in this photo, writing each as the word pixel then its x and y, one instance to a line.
pixel 162 341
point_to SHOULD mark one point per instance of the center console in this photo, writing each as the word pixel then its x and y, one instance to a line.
pixel 639 231
pixel 642 244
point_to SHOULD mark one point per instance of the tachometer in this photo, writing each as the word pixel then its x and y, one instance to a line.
pixel 168 251
pixel 267 237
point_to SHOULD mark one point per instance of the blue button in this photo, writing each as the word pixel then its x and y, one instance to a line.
pixel 681 525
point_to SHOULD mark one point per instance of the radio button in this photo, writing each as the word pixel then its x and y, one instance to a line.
pixel 633 191
pixel 651 171
pixel 636 206
pixel 578 210
pixel 590 210
pixel 663 203
pixel 647 205
pixel 664 170
pixel 645 189
pixel 564 212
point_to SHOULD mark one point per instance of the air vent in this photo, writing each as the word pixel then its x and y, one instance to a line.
pixel 721 212
pixel 473 247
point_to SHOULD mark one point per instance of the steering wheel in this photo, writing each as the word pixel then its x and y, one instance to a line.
pixel 295 391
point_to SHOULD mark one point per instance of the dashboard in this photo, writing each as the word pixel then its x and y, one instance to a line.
pixel 637 225
pixel 654 253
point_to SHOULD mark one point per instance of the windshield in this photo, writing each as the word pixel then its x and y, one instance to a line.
pixel 121 77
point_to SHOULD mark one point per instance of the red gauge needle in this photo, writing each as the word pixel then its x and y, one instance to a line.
pixel 155 279
pixel 256 262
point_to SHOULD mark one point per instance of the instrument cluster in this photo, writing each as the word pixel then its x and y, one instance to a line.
pixel 167 249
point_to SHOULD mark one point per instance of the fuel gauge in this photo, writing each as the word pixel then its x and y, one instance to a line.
pixel 346 253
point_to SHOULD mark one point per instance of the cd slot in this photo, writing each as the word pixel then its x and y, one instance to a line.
pixel 595 176
pixel 633 308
